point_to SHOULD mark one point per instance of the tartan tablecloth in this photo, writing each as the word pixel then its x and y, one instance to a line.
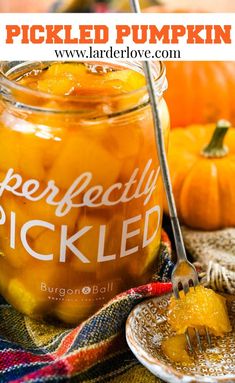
pixel 96 350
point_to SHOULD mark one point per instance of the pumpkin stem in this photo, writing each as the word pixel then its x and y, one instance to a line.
pixel 216 147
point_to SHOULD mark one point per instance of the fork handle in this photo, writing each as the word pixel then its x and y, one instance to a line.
pixel 179 243
pixel 180 249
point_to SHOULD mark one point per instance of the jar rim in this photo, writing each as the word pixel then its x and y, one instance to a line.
pixel 159 72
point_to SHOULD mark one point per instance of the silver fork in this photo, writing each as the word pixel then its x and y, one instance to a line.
pixel 184 273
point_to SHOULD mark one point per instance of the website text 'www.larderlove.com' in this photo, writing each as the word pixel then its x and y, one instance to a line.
pixel 113 53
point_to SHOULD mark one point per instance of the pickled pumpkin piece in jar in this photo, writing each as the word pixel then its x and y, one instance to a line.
pixel 29 293
pixel 100 80
pixel 5 275
pixel 175 348
pixel 152 242
pixel 124 241
pixel 146 214
pixel 96 230
pixel 113 235
pixel 23 298
pixel 58 79
pixel 129 166
pixel 198 308
pixel 54 145
pixel 21 149
pixel 58 86
pixel 81 155
pixel 131 85
pixel 124 141
pixel 26 210
pixel 38 151
pixel 16 256
pixel 31 162
pixel 152 224
pixel 146 243
pixel 73 312
pixel 129 80
pixel 33 147
pixel 47 244
pixel 148 149
pixel 10 149
pixel 70 70
pixel 164 118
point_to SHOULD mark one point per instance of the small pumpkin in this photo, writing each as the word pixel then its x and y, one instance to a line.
pixel 203 175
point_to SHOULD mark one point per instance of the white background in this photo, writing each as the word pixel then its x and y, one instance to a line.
pixel 189 52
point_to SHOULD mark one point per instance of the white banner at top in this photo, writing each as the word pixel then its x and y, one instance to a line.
pixel 124 36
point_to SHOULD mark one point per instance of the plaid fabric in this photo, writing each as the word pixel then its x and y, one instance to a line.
pixel 93 352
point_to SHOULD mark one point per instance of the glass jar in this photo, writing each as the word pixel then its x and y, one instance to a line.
pixel 81 194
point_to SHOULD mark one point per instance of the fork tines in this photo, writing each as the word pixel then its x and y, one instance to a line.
pixel 198 338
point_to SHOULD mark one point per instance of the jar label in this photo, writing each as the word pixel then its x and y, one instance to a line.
pixel 138 186
pixel 145 186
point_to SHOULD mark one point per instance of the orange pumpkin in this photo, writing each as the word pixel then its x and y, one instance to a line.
pixel 203 177
pixel 199 92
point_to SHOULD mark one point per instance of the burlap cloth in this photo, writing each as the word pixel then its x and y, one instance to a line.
pixel 214 253
pixel 96 351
